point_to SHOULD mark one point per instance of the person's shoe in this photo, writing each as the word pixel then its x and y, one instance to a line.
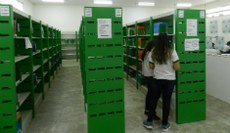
pixel 166 127
pixel 148 125
pixel 155 117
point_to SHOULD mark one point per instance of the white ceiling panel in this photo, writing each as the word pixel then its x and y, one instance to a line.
pixel 131 3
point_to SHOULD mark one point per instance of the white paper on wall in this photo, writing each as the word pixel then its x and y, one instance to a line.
pixel 4 11
pixel 181 13
pixel 104 28
pixel 191 27
pixel 118 13
pixel 192 44
pixel 88 12
pixel 202 14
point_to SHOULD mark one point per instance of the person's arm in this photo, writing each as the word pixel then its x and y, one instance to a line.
pixel 151 65
pixel 176 66
pixel 176 63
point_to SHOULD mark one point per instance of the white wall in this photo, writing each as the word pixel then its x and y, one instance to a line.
pixel 67 17
pixel 28 7
pixel 64 17
pixel 217 72
pixel 217 77
pixel 132 14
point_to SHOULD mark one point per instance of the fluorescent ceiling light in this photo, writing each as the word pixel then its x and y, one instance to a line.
pixel 54 1
pixel 103 2
pixel 214 10
pixel 224 13
pixel 183 4
pixel 219 9
pixel 146 4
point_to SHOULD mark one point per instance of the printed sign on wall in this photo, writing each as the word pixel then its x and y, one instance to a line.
pixel 4 11
pixel 191 27
pixel 191 44
pixel 104 28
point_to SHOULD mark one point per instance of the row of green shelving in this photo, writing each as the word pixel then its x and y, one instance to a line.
pixel 190 88
pixel 30 55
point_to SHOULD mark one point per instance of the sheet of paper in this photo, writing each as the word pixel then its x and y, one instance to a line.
pixel 88 12
pixel 118 13
pixel 191 44
pixel 4 11
pixel 191 27
pixel 104 28
pixel 202 14
pixel 181 13
pixel 28 43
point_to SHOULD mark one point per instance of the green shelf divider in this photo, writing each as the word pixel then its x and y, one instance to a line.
pixel 101 60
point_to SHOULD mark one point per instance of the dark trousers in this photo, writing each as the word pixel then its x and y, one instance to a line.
pixel 149 82
pixel 164 87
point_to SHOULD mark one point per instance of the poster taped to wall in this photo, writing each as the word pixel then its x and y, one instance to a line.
pixel 4 11
pixel 191 44
pixel 104 28
pixel 191 27
pixel 88 12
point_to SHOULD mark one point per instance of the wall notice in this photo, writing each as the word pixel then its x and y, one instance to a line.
pixel 104 28
pixel 202 14
pixel 4 11
pixel 191 44
pixel 88 12
pixel 118 13
pixel 191 27
pixel 181 13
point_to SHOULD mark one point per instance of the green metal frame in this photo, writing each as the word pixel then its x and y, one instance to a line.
pixel 18 63
pixel 191 85
pixel 102 72
pixel 7 74
pixel 190 88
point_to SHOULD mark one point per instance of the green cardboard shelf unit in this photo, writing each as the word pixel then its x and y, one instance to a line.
pixel 102 69
pixel 189 29
pixel 27 60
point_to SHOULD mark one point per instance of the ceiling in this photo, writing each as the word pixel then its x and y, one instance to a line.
pixel 132 3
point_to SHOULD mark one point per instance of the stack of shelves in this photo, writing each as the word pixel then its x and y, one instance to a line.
pixel 23 69
pixel 69 46
pixel 190 91
pixel 102 69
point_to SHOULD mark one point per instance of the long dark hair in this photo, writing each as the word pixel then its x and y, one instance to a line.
pixel 163 50
pixel 147 48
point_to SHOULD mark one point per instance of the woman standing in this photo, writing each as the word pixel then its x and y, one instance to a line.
pixel 164 61
pixel 148 74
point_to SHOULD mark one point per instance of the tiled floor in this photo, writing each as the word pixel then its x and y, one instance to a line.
pixel 62 111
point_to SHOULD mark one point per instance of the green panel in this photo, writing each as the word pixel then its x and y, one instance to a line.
pixel 101 62
pixel 191 85
pixel 189 57
pixel 192 67
pixel 191 111
pixel 7 74
pixel 110 122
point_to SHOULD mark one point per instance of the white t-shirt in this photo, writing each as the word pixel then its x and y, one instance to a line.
pixel 165 71
pixel 146 70
pixel 226 48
